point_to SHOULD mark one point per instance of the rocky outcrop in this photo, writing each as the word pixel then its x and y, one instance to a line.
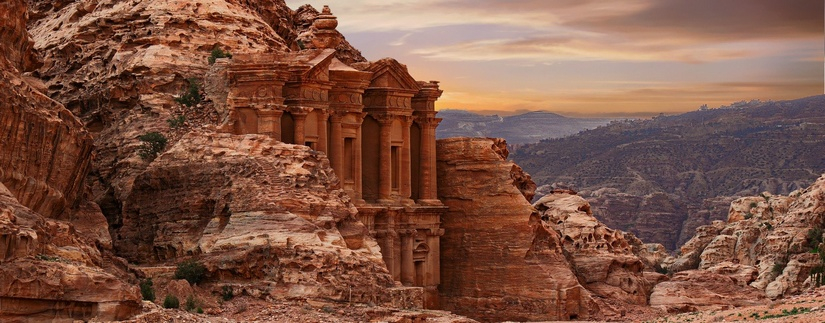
pixel 766 242
pixel 254 211
pixel 48 272
pixel 697 290
pixel 499 260
pixel 601 257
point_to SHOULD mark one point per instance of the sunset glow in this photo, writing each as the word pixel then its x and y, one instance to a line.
pixel 589 57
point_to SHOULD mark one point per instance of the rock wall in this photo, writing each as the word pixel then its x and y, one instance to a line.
pixel 256 211
pixel 499 260
pixel 45 152
pixel 766 243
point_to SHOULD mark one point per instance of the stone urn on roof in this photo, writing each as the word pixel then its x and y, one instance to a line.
pixel 325 35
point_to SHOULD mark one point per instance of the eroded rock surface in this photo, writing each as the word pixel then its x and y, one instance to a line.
pixel 253 210
pixel 695 290
pixel 499 260
pixel 47 270
pixel 601 257
pixel 766 242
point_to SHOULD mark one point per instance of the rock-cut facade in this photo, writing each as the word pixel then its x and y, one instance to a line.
pixel 376 124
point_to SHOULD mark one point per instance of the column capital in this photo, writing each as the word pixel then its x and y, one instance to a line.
pixel 336 116
pixel 384 119
pixel 297 112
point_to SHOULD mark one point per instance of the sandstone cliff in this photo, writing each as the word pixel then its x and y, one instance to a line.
pixel 50 269
pixel 253 210
pixel 769 242
pixel 499 260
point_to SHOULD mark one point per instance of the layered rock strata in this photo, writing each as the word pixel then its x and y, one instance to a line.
pixel 254 210
pixel 499 260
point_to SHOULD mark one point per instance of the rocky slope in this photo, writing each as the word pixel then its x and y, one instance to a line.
pixel 253 210
pixel 769 242
pixel 50 269
pixel 525 128
pixel 662 178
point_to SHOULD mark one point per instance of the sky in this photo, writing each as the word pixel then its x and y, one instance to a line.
pixel 594 57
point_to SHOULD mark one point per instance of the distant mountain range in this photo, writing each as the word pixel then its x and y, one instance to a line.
pixel 661 178
pixel 518 129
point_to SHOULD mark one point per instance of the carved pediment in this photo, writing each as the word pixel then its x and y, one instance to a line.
pixel 389 73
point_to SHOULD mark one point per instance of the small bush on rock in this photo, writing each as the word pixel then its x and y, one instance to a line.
pixel 171 301
pixel 192 95
pixel 192 271
pixel 190 303
pixel 218 53
pixel 146 289
pixel 153 144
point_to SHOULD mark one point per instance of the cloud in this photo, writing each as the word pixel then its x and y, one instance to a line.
pixel 715 21
pixel 585 48
pixel 401 41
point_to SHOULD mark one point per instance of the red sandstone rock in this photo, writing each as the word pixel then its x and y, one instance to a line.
pixel 765 236
pixel 601 257
pixel 47 271
pixel 499 260
pixel 703 290
pixel 254 211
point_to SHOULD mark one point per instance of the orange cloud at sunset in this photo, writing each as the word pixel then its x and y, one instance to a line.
pixel 589 57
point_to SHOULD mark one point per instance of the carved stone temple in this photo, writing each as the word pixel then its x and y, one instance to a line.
pixel 377 125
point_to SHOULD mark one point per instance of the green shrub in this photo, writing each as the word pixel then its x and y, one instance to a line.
pixel 199 310
pixel 778 268
pixel 218 53
pixel 176 122
pixel 753 204
pixel 192 95
pixel 814 237
pixel 192 271
pixel 227 293
pixel 748 216
pixel 153 144
pixel 171 301
pixel 190 303
pixel 146 290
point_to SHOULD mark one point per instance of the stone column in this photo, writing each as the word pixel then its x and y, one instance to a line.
pixel 427 181
pixel 336 146
pixel 406 174
pixel 385 161
pixel 269 123
pixel 359 188
pixel 407 265
pixel 300 117
pixel 323 115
